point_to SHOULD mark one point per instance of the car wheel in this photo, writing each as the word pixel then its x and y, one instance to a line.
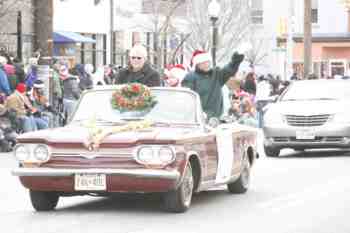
pixel 43 201
pixel 271 152
pixel 179 200
pixel 241 185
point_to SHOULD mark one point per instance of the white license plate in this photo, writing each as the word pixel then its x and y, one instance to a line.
pixel 90 182
pixel 306 134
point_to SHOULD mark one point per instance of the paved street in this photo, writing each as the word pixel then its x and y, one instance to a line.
pixel 298 192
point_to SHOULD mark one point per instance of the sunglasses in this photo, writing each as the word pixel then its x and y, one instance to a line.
pixel 138 58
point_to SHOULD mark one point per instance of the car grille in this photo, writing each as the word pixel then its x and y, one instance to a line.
pixel 103 158
pixel 304 121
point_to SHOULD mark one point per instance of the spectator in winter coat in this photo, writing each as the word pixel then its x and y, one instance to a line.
pixel 19 102
pixel 32 73
pixel 139 70
pixel 250 83
pixel 71 92
pixel 208 82
pixel 4 83
pixel 10 71
pixel 85 79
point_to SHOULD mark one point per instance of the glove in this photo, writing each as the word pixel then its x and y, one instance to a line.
pixel 37 114
pixel 237 58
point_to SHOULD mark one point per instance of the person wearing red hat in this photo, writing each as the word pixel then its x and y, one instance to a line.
pixel 21 105
pixel 208 81
pixel 174 75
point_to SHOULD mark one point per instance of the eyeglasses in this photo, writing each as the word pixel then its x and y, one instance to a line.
pixel 138 58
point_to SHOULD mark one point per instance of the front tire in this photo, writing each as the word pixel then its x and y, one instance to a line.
pixel 179 200
pixel 43 201
pixel 241 185
pixel 271 152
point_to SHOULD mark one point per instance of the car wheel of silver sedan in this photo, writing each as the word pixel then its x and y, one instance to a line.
pixel 241 185
pixel 43 201
pixel 271 152
pixel 179 200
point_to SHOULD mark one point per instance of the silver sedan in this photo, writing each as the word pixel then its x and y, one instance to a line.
pixel 310 114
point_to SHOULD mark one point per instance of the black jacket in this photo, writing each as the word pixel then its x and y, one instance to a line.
pixel 71 88
pixel 146 76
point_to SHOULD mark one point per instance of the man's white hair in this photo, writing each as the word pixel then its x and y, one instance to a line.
pixel 138 51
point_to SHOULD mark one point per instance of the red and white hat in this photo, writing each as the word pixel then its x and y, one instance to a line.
pixel 199 56
pixel 175 75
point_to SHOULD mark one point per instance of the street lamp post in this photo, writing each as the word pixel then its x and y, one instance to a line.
pixel 214 10
pixel 346 4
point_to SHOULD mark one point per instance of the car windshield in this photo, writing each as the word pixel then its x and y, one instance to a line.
pixel 317 90
pixel 173 106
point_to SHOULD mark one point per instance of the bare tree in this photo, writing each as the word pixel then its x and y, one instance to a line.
pixel 233 25
pixel 161 15
pixel 8 17
pixel 257 53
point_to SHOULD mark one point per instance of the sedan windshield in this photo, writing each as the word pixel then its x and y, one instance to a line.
pixel 317 90
pixel 172 107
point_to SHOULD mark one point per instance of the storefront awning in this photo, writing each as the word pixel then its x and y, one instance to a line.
pixel 70 37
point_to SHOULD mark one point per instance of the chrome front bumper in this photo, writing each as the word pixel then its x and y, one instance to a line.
pixel 139 173
pixel 327 136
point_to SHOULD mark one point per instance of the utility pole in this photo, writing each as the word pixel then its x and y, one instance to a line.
pixel 289 49
pixel 19 35
pixel 307 38
pixel 43 24
pixel 112 40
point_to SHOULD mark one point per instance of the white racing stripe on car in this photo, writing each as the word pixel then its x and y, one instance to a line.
pixel 313 193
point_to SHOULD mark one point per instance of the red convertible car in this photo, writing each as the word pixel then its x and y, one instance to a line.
pixel 170 149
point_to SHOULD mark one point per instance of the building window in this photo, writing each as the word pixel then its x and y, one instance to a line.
pixel 257 12
pixel 314 11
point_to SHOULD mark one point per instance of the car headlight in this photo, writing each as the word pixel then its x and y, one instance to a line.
pixel 22 153
pixel 166 154
pixel 41 153
pixel 32 153
pixel 155 155
pixel 145 154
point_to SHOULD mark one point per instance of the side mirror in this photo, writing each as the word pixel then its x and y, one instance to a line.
pixel 214 122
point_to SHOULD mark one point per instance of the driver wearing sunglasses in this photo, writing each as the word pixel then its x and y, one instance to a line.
pixel 139 70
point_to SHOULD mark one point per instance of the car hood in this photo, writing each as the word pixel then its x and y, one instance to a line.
pixel 310 107
pixel 76 134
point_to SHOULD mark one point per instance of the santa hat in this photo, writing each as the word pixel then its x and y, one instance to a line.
pixel 176 75
pixel 199 56
pixel 21 88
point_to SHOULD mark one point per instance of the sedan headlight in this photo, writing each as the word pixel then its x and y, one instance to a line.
pixel 155 155
pixel 32 153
